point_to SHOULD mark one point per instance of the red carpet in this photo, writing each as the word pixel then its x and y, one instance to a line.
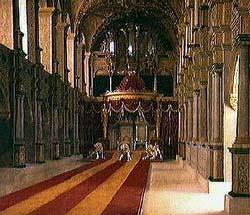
pixel 128 198
pixel 66 201
pixel 18 196
pixel 118 186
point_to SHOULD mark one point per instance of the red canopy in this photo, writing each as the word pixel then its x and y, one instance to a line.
pixel 131 83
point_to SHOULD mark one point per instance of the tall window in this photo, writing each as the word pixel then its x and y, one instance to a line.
pixel 23 23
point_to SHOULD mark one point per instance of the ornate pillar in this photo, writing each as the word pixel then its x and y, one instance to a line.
pixel 70 57
pixel 190 119
pixel 45 39
pixel 216 147
pixel 19 146
pixel 196 94
pixel 185 128
pixel 60 28
pixel 55 135
pixel 185 125
pixel 181 131
pixel 86 72
pixel 31 22
pixel 76 118
pixel 203 114
pixel 181 120
pixel 55 117
pixel 39 134
pixel 241 149
pixel 76 138
pixel 67 143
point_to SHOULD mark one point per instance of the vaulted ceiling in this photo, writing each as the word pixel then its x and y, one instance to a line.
pixel 91 17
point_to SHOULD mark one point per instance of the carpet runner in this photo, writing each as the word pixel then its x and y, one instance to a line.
pixel 105 187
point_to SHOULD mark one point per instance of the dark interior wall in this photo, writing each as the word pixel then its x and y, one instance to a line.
pixel 165 85
pixel 101 85
pixel 5 146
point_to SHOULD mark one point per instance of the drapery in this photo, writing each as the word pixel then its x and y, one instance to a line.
pixel 91 127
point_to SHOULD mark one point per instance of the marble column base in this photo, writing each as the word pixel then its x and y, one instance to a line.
pixel 241 170
pixel 237 205
pixel 19 154
pixel 40 158
pixel 55 150
pixel 216 162
pixel 67 148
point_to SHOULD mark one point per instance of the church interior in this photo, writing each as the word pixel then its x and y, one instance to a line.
pixel 122 107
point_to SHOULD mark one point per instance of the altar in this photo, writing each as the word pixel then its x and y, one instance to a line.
pixel 132 111
pixel 139 131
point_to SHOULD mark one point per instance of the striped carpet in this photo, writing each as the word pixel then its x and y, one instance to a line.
pixel 105 187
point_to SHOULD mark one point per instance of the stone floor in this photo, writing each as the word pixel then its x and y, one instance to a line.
pixel 173 191
pixel 13 179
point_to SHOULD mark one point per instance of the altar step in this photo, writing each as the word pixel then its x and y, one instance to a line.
pixel 172 190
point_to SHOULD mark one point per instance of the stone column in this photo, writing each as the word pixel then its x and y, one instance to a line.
pixel 185 119
pixel 181 121
pixel 31 22
pixel 55 134
pixel 241 149
pixel 196 94
pixel 76 118
pixel 60 27
pixel 19 146
pixel 66 133
pixel 79 64
pixel 45 39
pixel 185 128
pixel 76 144
pixel 190 119
pixel 70 57
pixel 181 131
pixel 216 147
pixel 203 114
pixel 86 72
pixel 189 128
pixel 39 134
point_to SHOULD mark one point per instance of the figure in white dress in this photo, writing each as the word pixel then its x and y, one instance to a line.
pixel 149 153
pixel 153 151
pixel 98 151
pixel 125 150
pixel 157 151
